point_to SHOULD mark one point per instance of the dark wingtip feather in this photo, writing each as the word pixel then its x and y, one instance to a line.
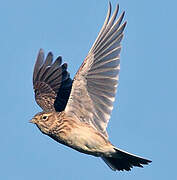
pixel 58 61
pixel 123 25
pixel 65 66
pixel 50 54
pixel 117 7
pixel 59 58
pixel 38 64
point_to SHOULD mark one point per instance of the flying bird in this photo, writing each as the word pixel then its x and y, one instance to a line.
pixel 76 112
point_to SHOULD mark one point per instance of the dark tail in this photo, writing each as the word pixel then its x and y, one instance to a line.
pixel 122 160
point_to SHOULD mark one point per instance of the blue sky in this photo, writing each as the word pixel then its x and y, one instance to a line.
pixel 144 119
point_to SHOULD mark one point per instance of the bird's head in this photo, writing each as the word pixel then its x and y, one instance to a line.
pixel 44 121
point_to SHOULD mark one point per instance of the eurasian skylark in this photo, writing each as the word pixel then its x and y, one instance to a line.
pixel 76 112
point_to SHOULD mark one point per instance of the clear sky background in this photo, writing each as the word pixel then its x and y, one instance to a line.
pixel 144 119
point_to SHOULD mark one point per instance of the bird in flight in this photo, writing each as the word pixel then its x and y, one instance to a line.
pixel 76 112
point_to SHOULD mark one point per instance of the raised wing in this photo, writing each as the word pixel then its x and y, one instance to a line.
pixel 94 86
pixel 51 82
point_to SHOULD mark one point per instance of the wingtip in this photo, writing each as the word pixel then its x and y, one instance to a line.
pixel 50 53
pixel 109 7
pixel 59 58
pixel 124 24
pixel 117 7
pixel 65 66
pixel 123 14
pixel 116 11
pixel 41 51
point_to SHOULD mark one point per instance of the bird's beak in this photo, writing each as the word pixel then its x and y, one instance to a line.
pixel 32 121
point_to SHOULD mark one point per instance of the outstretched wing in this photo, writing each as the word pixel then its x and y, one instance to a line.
pixel 94 86
pixel 51 82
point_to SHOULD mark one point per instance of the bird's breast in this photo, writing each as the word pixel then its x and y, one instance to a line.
pixel 80 136
pixel 86 139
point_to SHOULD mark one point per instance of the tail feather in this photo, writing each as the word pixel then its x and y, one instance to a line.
pixel 122 160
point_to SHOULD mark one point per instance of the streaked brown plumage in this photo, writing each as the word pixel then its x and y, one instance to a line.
pixel 76 112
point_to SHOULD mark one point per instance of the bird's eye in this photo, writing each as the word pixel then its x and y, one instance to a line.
pixel 44 117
